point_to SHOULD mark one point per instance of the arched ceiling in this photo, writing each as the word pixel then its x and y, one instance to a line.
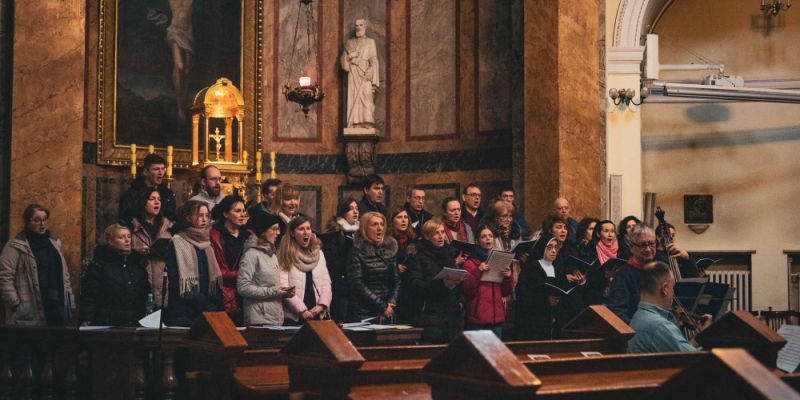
pixel 635 19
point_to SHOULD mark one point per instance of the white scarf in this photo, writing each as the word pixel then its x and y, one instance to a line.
pixel 548 268
pixel 346 226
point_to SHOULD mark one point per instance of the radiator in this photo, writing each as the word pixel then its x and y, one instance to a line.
pixel 741 281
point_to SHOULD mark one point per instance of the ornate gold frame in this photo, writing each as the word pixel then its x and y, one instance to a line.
pixel 109 152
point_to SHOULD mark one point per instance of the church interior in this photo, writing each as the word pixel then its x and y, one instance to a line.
pixel 546 97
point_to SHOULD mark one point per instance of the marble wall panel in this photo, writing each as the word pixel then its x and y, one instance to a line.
pixel 495 65
pixel 311 204
pixel 6 44
pixel 290 122
pixel 375 12
pixel 108 193
pixel 47 116
pixel 433 68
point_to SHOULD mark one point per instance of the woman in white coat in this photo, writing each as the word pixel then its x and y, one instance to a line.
pixel 303 268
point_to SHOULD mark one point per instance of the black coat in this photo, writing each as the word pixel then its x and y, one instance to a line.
pixel 336 245
pixel 365 206
pixel 417 219
pixel 442 311
pixel 114 289
pixel 535 319
pixel 127 202
pixel 372 277
pixel 623 296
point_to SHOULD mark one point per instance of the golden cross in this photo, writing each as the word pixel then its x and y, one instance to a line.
pixel 217 138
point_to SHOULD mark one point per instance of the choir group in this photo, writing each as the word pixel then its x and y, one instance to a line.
pixel 266 264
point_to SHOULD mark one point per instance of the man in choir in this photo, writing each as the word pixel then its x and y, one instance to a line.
pixel 152 177
pixel 268 189
pixel 561 208
pixel 415 207
pixel 507 194
pixel 472 215
pixel 372 185
pixel 623 296
pixel 655 325
pixel 210 187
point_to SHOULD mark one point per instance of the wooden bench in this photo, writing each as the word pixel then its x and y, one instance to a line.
pixel 264 372
pixel 479 366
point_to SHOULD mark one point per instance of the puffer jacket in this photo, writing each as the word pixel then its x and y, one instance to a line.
pixel 373 277
pixel 484 299
pixel 442 315
pixel 115 288
pixel 258 283
pixel 19 283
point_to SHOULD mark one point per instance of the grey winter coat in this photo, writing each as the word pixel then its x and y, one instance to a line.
pixel 19 283
pixel 258 282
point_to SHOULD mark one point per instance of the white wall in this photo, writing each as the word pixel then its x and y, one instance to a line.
pixel 746 154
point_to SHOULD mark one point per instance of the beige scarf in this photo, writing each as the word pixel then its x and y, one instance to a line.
pixel 185 243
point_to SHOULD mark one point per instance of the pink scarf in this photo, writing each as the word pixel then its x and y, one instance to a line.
pixel 605 253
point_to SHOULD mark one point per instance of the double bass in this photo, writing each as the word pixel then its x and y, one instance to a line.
pixel 689 321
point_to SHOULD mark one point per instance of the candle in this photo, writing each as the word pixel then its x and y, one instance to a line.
pixel 133 161
pixel 272 164
pixel 169 162
pixel 258 167
pixel 305 82
pixel 151 149
pixel 244 157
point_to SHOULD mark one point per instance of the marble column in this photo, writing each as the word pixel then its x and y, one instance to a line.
pixel 562 119
pixel 48 117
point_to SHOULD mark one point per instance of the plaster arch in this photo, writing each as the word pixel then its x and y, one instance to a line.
pixel 636 18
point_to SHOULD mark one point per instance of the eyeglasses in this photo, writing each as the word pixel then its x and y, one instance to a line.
pixel 645 244
pixel 39 221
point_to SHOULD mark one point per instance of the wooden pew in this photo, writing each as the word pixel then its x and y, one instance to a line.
pixel 263 373
pixel 742 329
pixel 478 360
pixel 468 371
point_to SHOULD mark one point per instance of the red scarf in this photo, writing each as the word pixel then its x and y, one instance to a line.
pixel 402 240
pixel 458 228
pixel 605 253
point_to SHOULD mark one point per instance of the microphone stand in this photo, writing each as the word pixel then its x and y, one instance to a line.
pixel 159 350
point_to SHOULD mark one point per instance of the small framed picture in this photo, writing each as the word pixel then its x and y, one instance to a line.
pixel 698 209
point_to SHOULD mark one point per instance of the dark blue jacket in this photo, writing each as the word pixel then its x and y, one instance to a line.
pixel 623 297
pixel 183 311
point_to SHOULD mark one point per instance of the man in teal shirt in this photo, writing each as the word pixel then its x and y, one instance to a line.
pixel 655 325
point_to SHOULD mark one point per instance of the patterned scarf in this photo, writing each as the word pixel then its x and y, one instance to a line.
pixel 185 243
pixel 605 253
pixel 458 228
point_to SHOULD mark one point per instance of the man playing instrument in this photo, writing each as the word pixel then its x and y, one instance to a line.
pixel 655 325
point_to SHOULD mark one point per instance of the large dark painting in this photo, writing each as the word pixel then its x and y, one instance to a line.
pixel 155 55
pixel 167 51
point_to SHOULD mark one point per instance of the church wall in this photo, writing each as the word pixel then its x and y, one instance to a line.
pixel 444 107
pixel 48 117
pixel 745 154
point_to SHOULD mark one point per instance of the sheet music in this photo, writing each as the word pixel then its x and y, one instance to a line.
pixel 276 328
pixel 94 328
pixel 151 321
pixel 497 261
pixel 451 276
pixel 789 355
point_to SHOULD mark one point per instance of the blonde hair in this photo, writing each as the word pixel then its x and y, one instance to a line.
pixel 112 230
pixel 364 221
pixel 289 249
pixel 286 191
pixel 430 228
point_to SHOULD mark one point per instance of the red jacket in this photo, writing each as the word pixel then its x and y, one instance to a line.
pixel 229 273
pixel 484 299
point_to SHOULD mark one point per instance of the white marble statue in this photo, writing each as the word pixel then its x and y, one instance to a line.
pixel 360 60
